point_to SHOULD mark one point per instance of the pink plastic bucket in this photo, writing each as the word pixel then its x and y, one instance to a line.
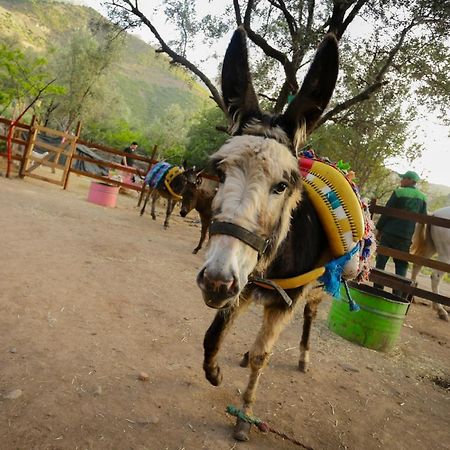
pixel 103 194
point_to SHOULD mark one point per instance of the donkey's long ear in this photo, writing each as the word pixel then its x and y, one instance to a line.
pixel 317 88
pixel 237 88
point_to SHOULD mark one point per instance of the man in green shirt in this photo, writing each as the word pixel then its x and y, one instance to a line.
pixel 396 233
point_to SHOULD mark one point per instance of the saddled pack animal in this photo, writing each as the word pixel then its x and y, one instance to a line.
pixel 198 194
pixel 430 240
pixel 167 181
pixel 267 242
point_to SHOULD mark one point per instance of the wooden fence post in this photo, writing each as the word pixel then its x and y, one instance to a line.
pixel 29 149
pixel 24 154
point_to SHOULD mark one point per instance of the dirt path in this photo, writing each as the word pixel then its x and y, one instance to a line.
pixel 91 297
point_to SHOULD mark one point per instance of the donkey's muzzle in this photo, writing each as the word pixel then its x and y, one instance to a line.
pixel 217 290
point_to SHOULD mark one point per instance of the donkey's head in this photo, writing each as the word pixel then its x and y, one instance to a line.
pixel 260 182
pixel 190 193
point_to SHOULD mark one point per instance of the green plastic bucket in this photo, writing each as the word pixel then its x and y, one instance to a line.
pixel 376 325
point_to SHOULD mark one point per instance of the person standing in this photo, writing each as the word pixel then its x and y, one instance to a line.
pixel 126 160
pixel 397 233
pixel 129 177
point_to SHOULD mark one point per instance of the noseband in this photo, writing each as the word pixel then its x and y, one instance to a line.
pixel 258 243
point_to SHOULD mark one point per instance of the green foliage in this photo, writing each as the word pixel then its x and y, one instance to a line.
pixel 203 138
pixel 114 83
pixel 369 135
pixel 80 66
pixel 22 77
pixel 116 133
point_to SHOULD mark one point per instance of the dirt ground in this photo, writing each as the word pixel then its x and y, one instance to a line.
pixel 92 296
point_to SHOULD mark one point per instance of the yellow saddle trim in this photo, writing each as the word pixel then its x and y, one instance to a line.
pixel 339 211
pixel 337 205
pixel 171 174
pixel 295 282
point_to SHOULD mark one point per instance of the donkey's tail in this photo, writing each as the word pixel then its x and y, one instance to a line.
pixel 422 244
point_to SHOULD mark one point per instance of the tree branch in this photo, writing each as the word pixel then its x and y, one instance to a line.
pixel 364 95
pixel 176 58
pixel 290 20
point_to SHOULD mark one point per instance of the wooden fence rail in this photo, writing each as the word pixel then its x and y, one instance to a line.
pixel 398 283
pixel 24 154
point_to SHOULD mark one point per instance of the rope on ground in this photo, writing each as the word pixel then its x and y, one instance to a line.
pixel 263 426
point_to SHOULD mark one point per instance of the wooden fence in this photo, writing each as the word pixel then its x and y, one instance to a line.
pixel 29 161
pixel 62 156
pixel 395 282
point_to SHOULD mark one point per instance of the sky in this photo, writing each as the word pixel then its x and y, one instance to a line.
pixel 433 166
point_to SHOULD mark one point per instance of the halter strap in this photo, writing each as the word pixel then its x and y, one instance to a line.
pixel 230 229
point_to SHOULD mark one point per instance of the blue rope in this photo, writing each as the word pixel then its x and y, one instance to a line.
pixel 351 303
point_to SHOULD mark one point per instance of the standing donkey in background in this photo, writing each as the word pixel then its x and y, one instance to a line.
pixel 264 226
pixel 427 241
pixel 167 181
pixel 198 194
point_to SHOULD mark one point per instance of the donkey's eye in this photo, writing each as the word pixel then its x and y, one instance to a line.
pixel 279 188
pixel 221 175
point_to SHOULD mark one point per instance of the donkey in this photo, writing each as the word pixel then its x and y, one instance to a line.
pixel 173 192
pixel 427 241
pixel 264 226
pixel 199 195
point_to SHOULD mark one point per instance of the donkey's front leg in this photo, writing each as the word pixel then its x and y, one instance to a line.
pixel 170 205
pixel 206 222
pixel 275 319
pixel 146 200
pixel 213 340
pixel 155 196
pixel 310 312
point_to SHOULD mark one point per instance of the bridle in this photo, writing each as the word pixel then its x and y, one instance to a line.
pixel 261 244
pixel 255 241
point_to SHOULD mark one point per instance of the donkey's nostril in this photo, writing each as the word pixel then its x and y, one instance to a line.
pixel 217 282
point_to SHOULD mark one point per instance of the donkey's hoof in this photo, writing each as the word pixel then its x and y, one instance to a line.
pixel 214 375
pixel 244 360
pixel 166 225
pixel 195 251
pixel 303 366
pixel 242 430
pixel 443 315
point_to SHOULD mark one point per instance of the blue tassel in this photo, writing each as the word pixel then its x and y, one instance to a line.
pixel 333 276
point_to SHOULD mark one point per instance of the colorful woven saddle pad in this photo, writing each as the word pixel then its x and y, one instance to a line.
pixel 336 202
pixel 157 173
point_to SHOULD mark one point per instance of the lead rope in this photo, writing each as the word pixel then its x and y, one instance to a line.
pixel 351 303
pixel 263 426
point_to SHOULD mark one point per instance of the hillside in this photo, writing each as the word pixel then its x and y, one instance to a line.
pixel 143 78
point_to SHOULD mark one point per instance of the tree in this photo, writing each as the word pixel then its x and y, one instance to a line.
pixel 80 65
pixel 401 55
pixel 203 138
pixel 22 78
pixel 406 37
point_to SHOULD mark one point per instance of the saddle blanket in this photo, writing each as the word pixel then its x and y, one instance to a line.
pixel 157 173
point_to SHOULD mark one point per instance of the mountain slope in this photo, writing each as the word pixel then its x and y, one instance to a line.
pixel 143 78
